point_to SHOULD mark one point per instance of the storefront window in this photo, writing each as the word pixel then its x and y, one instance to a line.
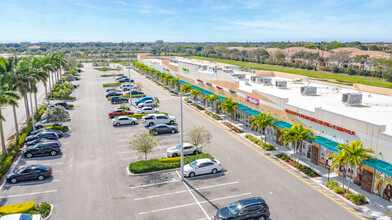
pixel 382 185
pixel 306 149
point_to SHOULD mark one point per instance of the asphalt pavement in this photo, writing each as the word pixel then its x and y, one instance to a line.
pixel 91 181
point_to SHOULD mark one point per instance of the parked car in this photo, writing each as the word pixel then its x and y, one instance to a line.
pixel 188 149
pixel 45 134
pixel 36 141
pixel 118 112
pixel 126 86
pixel 59 133
pixel 45 123
pixel 30 172
pixel 250 208
pixel 155 119
pixel 113 93
pixel 136 92
pixel 147 110
pixel 112 90
pixel 43 148
pixel 137 102
pixel 118 99
pixel 121 107
pixel 148 103
pixel 202 166
pixel 21 217
pixel 163 129
pixel 123 80
pixel 120 77
pixel 63 104
pixel 124 120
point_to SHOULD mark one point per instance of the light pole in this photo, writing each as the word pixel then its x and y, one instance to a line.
pixel 182 140
pixel 32 108
pixel 129 77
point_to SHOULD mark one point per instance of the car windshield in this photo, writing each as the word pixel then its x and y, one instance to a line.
pixel 20 170
pixel 233 209
pixel 193 164
pixel 179 147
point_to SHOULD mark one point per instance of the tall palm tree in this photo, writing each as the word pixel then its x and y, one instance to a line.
pixel 46 65
pixel 6 97
pixel 185 88
pixel 262 121
pixel 212 98
pixel 21 82
pixel 59 63
pixel 339 160
pixel 303 134
pixel 195 93
pixel 39 74
pixel 228 106
pixel 355 153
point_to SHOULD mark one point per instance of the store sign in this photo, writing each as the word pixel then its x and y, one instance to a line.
pixel 321 122
pixel 167 70
pixel 234 92
pixel 252 100
pixel 218 87
pixel 199 80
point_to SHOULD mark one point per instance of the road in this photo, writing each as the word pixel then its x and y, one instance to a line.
pixel 91 180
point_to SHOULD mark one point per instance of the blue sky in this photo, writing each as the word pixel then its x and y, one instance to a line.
pixel 195 20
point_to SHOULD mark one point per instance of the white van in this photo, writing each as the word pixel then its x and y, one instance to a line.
pixel 126 86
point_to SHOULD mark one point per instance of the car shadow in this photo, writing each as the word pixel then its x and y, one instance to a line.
pixel 8 185
pixel 167 134
pixel 208 175
pixel 38 158
pixel 124 126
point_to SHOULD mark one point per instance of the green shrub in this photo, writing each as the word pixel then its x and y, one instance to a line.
pixel 59 128
pixel 331 183
pixel 337 189
pixel 305 169
pixel 44 209
pixel 212 115
pixel 71 105
pixel 284 157
pixel 356 198
pixel 268 147
pixel 17 208
pixel 6 164
pixel 23 137
pixel 111 84
pixel 108 75
pixel 170 160
pixel 198 106
pixel 188 100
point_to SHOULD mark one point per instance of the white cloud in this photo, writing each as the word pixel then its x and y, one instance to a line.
pixel 121 3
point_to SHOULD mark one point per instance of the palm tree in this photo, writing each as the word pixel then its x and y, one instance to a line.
pixel 185 88
pixel 59 62
pixel 303 134
pixel 228 106
pixel 262 121
pixel 195 93
pixel 338 160
pixel 47 66
pixel 211 99
pixel 39 74
pixel 21 82
pixel 6 97
pixel 355 153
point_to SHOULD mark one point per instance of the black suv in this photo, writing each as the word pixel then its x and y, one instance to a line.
pixel 251 208
pixel 31 172
pixel 59 133
pixel 64 104
pixel 113 93
pixel 118 99
pixel 47 134
pixel 43 148
pixel 36 141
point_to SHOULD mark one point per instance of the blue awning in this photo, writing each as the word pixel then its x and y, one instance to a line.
pixel 243 107
pixel 253 112
pixel 379 165
pixel 332 145
pixel 183 82
pixel 283 124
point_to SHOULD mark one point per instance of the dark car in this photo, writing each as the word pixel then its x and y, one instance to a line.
pixel 59 133
pixel 36 141
pixel 76 78
pixel 30 172
pixel 123 80
pixel 64 104
pixel 43 148
pixel 122 77
pixel 118 99
pixel 113 93
pixel 163 129
pixel 136 92
pixel 251 208
pixel 48 135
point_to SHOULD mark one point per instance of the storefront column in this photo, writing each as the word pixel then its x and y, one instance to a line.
pixel 367 178
pixel 315 153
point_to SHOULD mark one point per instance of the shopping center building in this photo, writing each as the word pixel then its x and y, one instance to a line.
pixel 335 113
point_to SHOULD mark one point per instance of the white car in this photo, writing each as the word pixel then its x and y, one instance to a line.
pixel 21 217
pixel 202 166
pixel 124 120
pixel 156 119
pixel 147 110
pixel 148 103
pixel 126 86
pixel 45 123
pixel 188 149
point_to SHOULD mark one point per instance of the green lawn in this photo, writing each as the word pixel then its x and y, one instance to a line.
pixel 317 75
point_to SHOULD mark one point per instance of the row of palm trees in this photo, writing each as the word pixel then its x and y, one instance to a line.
pixel 19 77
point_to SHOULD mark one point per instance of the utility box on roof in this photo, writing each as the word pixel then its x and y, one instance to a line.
pixel 352 98
pixel 309 90
pixel 281 83
pixel 267 81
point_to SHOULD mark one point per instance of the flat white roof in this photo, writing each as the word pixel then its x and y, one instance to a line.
pixel 375 108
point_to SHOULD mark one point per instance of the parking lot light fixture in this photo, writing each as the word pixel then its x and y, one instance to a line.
pixel 182 140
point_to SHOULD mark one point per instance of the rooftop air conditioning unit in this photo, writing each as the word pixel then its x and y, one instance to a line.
pixel 228 71
pixel 352 98
pixel 267 81
pixel 258 80
pixel 254 78
pixel 281 84
pixel 247 82
pixel 297 80
pixel 241 76
pixel 309 90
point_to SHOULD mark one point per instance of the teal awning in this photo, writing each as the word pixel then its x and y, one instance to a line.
pixel 379 165
pixel 253 112
pixel 220 98
pixel 326 143
pixel 243 107
pixel 183 82
pixel 283 124
pixel 204 91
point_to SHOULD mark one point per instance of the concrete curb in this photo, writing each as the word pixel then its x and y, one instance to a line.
pixel 154 172
pixel 50 214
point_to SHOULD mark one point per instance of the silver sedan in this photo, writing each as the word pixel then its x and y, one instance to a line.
pixel 124 120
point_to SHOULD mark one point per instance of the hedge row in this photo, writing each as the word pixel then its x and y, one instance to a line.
pixel 303 168
pixel 212 115
pixel 198 106
pixel 111 84
pixel 109 75
pixel 232 127
pixel 188 100
pixel 267 147
pixel 355 198
pixel 156 164
pixel 28 207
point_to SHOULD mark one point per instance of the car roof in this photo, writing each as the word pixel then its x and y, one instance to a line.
pixel 123 117
pixel 250 201
pixel 160 125
pixel 204 160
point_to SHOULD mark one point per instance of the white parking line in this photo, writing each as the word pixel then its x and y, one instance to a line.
pixel 198 203
pixel 153 184
pixel 30 183
pixel 28 194
pixel 51 164
pixel 182 191
pixel 190 204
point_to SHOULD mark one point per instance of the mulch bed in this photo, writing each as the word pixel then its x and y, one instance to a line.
pixel 291 163
pixel 232 127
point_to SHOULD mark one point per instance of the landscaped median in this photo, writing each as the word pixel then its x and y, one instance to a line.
pixel 44 209
pixel 109 75
pixel 212 115
pixel 59 128
pixel 267 147
pixel 152 165
pixel 303 168
pixel 232 127
pixel 356 198
pixel 111 84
